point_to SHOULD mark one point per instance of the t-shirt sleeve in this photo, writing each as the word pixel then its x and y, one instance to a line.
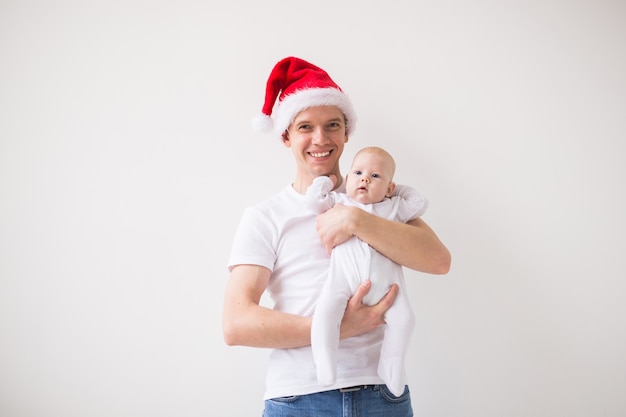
pixel 254 241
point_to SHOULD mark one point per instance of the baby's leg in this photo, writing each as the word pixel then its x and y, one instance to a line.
pixel 400 321
pixel 346 264
pixel 325 333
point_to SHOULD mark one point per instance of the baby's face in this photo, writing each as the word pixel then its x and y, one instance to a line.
pixel 369 179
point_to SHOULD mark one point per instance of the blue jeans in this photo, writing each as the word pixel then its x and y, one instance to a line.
pixel 363 401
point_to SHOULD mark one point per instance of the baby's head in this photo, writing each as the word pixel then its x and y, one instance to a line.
pixel 370 177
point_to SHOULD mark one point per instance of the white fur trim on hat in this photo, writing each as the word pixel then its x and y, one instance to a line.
pixel 294 103
pixel 262 123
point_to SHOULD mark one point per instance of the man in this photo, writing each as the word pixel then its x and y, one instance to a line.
pixel 277 248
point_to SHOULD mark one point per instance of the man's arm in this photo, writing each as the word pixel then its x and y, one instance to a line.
pixel 414 244
pixel 247 323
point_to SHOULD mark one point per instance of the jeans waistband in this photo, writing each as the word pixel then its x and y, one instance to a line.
pixel 356 388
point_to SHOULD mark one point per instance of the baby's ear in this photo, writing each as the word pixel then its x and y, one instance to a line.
pixel 392 186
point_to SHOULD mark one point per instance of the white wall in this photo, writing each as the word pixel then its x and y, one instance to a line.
pixel 126 159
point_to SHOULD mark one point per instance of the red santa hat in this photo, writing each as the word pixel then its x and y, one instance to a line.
pixel 298 85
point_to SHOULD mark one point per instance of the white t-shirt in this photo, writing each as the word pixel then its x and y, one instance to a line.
pixel 279 234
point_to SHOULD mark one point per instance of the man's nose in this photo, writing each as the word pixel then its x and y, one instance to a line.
pixel 319 136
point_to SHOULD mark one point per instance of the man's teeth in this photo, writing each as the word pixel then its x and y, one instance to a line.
pixel 319 154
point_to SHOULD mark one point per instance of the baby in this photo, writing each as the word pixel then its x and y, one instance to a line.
pixel 369 186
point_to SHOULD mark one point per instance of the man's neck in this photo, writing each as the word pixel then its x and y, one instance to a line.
pixel 300 184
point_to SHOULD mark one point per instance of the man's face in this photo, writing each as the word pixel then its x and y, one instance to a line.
pixel 317 137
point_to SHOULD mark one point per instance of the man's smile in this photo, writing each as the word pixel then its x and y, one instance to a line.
pixel 319 154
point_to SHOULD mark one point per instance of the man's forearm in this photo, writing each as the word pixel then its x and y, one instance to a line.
pixel 413 245
pixel 246 323
pixel 266 328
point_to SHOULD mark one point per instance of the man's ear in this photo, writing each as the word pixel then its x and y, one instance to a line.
pixel 286 140
pixel 392 186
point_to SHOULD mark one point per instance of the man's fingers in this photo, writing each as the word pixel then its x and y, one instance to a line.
pixel 387 301
pixel 360 292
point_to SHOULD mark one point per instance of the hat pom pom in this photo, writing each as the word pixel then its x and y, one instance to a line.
pixel 262 123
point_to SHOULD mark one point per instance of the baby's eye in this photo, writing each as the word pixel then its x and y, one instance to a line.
pixel 375 176
pixel 357 172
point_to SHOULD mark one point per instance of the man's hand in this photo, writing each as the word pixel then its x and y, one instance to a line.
pixel 334 226
pixel 360 318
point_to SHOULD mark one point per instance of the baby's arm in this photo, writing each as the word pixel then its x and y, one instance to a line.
pixel 412 204
pixel 319 196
